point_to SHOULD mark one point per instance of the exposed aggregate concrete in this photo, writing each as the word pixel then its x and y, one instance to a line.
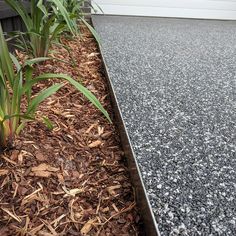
pixel 175 80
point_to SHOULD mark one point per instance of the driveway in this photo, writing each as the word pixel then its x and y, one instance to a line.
pixel 175 80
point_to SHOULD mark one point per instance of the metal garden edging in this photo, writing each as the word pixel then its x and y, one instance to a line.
pixel 150 225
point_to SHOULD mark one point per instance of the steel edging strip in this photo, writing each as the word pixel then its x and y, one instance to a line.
pixel 151 227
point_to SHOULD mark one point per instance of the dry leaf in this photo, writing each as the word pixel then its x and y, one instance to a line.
pixel 95 144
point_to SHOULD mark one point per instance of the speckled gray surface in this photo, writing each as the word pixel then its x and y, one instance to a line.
pixel 175 80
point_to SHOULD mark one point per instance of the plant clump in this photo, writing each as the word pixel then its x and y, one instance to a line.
pixel 17 80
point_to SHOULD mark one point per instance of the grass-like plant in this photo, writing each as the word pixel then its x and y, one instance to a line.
pixel 16 82
pixel 42 25
pixel 75 9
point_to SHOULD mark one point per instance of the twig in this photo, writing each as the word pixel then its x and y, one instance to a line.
pixel 130 207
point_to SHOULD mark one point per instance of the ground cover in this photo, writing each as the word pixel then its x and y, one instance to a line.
pixel 71 180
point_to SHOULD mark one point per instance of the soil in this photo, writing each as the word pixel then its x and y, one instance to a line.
pixel 73 179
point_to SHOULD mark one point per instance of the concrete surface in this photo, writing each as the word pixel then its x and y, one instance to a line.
pixel 175 80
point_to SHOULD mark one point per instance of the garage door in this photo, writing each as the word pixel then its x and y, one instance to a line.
pixel 209 9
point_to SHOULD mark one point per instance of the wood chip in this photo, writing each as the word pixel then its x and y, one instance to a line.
pixel 72 192
pixel 12 215
pixel 44 167
pixel 14 155
pixel 39 156
pixel 100 130
pixel 115 208
pixel 95 144
pixel 43 170
pixel 112 188
pixel 87 227
pixel 106 209
pixel 9 160
pixel 36 229
pixel 82 153
pixel 57 220
pixel 3 172
pixel 90 128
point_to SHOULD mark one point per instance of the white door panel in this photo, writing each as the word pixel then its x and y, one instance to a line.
pixel 187 4
pixel 209 9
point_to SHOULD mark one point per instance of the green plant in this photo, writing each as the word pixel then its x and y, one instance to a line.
pixel 42 24
pixel 75 11
pixel 16 82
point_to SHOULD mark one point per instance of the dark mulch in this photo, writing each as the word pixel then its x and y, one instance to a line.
pixel 71 180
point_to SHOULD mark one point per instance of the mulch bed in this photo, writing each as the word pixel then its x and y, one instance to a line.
pixel 71 180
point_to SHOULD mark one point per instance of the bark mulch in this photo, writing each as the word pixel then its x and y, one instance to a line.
pixel 71 180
